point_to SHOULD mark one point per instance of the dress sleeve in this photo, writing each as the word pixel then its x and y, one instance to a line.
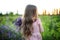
pixel 40 25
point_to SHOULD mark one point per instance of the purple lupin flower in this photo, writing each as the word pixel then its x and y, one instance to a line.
pixel 18 22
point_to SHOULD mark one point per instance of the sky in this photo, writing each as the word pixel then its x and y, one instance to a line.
pixel 14 5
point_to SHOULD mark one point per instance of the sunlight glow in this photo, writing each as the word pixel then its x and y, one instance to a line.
pixel 14 5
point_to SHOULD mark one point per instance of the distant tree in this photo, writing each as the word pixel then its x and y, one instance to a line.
pixel 59 12
pixel 1 14
pixel 11 13
pixel 53 13
pixel 44 12
pixel 17 14
pixel 6 14
pixel 48 13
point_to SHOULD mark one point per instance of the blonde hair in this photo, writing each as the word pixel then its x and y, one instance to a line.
pixel 30 12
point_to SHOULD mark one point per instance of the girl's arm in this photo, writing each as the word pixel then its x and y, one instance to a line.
pixel 40 26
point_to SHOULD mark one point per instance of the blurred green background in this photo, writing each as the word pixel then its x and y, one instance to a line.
pixel 51 25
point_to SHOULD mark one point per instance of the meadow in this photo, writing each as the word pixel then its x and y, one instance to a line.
pixel 9 31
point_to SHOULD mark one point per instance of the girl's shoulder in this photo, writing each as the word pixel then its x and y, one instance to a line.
pixel 38 19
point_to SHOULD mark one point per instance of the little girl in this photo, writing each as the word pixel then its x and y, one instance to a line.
pixel 31 24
